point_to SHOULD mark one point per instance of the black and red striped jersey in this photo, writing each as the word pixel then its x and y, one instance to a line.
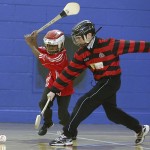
pixel 102 59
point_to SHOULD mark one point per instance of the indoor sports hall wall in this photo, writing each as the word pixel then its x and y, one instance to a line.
pixel 21 76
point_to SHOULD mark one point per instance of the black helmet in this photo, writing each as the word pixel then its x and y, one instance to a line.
pixel 82 29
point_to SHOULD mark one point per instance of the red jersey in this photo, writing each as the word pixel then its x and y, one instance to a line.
pixel 55 64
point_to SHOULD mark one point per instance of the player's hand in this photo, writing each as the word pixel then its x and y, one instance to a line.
pixel 50 96
pixel 31 39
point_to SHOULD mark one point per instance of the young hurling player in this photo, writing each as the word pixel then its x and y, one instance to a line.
pixel 52 56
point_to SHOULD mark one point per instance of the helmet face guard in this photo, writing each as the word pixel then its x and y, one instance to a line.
pixel 81 30
pixel 54 41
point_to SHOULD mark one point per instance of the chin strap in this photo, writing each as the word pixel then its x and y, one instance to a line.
pixel 86 38
pixel 98 30
pixel 96 33
pixel 93 36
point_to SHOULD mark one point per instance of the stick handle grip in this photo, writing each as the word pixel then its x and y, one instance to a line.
pixel 49 23
pixel 58 17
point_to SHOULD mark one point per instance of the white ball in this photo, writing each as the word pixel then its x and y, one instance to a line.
pixel 3 138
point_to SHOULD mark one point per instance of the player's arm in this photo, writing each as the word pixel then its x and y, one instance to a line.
pixel 31 40
pixel 73 70
pixel 123 46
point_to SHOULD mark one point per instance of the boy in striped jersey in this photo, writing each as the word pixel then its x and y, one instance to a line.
pixel 101 56
pixel 52 56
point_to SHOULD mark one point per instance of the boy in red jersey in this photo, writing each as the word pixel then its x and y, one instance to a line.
pixel 53 57
pixel 101 56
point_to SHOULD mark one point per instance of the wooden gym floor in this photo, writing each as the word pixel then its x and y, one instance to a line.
pixel 90 137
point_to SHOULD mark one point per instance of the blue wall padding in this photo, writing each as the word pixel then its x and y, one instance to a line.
pixel 21 81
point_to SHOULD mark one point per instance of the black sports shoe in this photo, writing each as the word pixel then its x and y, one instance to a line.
pixel 60 133
pixel 43 129
pixel 62 140
pixel 142 134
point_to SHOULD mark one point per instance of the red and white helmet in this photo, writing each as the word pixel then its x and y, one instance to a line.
pixel 52 39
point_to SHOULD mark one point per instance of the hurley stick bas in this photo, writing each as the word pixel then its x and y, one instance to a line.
pixel 39 117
